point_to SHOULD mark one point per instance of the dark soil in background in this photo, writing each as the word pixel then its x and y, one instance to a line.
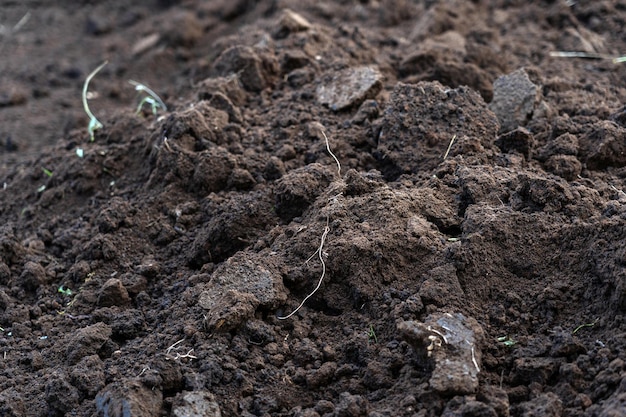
pixel 472 245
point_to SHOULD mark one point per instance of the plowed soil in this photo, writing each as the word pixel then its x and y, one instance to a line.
pixel 346 208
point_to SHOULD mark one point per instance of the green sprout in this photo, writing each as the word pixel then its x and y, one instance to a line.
pixel 506 341
pixel 585 325
pixel 65 291
pixel 151 98
pixel 94 123
pixel 371 334
pixel 47 172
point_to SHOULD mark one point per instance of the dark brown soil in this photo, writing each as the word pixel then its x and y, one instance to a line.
pixel 471 246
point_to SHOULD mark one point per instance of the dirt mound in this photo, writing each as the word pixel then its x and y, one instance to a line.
pixel 349 208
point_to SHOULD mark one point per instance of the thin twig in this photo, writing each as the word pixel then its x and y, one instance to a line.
pixel 587 55
pixel 449 146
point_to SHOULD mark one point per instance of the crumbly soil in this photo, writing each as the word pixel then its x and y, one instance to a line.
pixel 469 240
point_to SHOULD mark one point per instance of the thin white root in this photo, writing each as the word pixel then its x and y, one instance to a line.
pixel 474 360
pixel 178 356
pixel 319 252
pixel 331 152
pixel 169 349
pixel 437 332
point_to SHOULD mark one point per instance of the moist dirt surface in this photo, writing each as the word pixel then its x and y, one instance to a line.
pixel 454 194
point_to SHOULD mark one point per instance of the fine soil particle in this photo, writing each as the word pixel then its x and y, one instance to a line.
pixel 346 208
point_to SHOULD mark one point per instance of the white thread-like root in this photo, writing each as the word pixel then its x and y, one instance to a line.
pixel 474 360
pixel 169 349
pixel 319 284
pixel 437 332
pixel 331 152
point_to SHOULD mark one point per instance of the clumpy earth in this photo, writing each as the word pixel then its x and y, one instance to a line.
pixel 347 208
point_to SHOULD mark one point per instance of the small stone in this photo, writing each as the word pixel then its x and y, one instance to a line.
pixel 349 87
pixel 113 293
pixel 196 403
pixel 514 99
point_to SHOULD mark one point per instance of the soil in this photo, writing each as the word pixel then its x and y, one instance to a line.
pixel 452 196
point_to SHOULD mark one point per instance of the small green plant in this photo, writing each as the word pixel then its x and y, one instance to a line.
pixel 94 123
pixel 506 341
pixel 371 335
pixel 585 325
pixel 47 172
pixel 65 291
pixel 150 98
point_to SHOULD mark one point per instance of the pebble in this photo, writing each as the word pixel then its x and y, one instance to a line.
pixel 514 99
pixel 196 403
pixel 349 87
